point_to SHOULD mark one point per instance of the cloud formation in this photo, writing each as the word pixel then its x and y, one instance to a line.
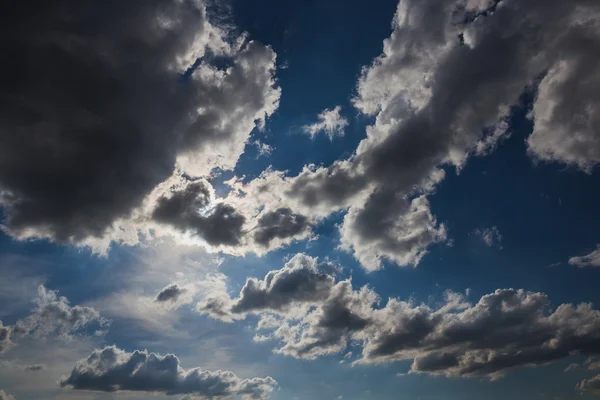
pixel 441 91
pixel 113 102
pixel 6 396
pixel 52 316
pixel 315 315
pixel 192 208
pixel 330 122
pixel 590 386
pixel 299 281
pixel 279 224
pixel 589 260
pixel 112 369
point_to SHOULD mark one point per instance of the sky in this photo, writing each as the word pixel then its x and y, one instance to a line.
pixel 261 199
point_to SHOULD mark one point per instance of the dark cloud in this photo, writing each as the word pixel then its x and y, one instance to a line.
pixel 169 293
pixel 112 370
pixel 5 342
pixel 279 224
pixel 96 110
pixel 590 386
pixel 190 209
pixel 314 316
pixel 299 281
pixel 34 367
pixel 326 330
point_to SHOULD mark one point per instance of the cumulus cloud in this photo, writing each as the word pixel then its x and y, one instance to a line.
pixel 279 224
pixel 590 386
pixel 112 369
pixel 329 122
pixel 390 227
pixel 6 396
pixel 113 102
pixel 589 260
pixel 52 316
pixel 442 90
pixel 490 236
pixel 299 281
pixel 312 315
pixel 192 208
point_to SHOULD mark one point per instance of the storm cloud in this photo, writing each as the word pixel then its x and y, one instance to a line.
pixel 112 101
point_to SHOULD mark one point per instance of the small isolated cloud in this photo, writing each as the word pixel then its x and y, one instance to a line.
pixel 490 236
pixel 589 260
pixel 112 369
pixel 263 148
pixel 329 122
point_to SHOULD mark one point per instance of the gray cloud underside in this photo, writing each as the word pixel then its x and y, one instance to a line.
pixel 112 369
pixel 590 386
pixel 169 293
pixel 96 109
pixel 503 330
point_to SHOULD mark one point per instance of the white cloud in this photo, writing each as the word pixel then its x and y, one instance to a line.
pixel 330 122
pixel 589 260
pixel 490 236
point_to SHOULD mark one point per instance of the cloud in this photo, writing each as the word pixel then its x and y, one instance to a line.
pixel 299 281
pixel 169 293
pixel 6 396
pixel 390 227
pixel 589 260
pixel 441 91
pixel 329 122
pixel 313 315
pixel 5 342
pixel 279 224
pixel 192 208
pixel 112 369
pixel 34 367
pixel 52 317
pixel 490 236
pixel 55 316
pixel 162 86
pixel 567 126
pixel 590 386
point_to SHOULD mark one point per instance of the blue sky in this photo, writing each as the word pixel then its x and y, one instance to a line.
pixel 342 200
